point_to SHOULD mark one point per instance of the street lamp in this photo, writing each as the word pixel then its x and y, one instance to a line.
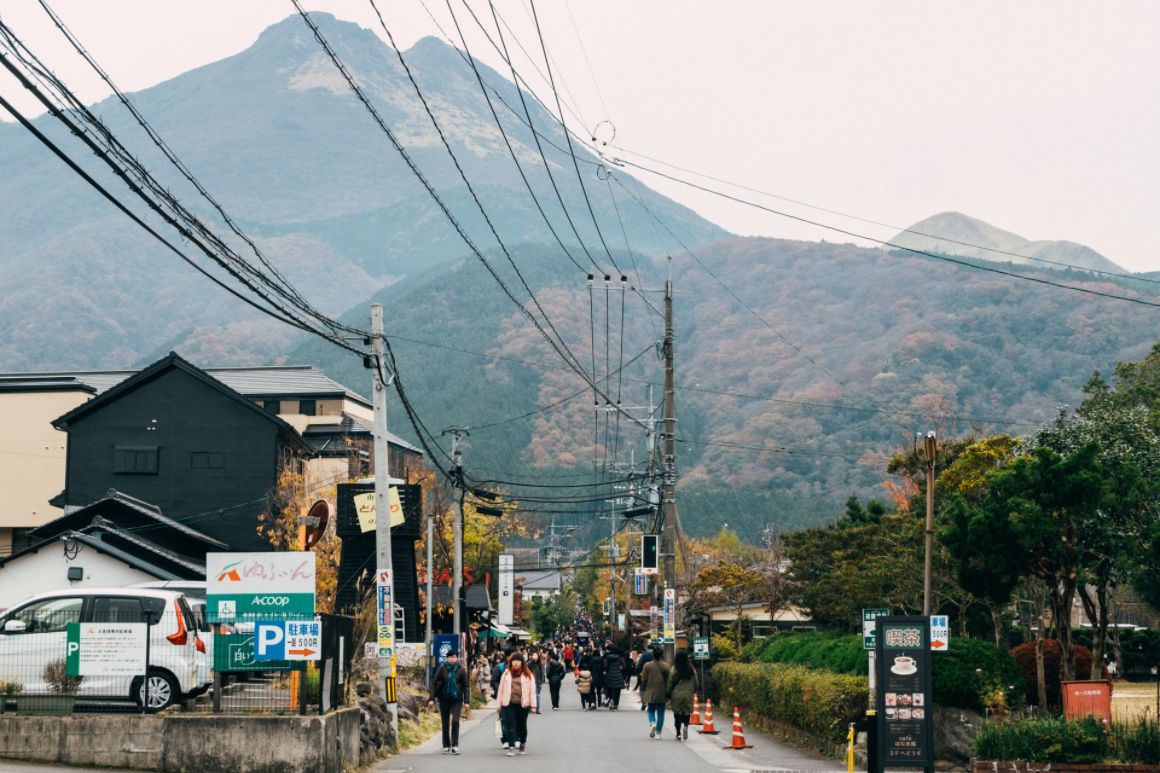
pixel 930 451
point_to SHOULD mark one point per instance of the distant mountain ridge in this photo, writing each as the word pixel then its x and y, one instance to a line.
pixel 278 138
pixel 953 233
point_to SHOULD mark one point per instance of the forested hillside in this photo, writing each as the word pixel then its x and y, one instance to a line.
pixel 787 404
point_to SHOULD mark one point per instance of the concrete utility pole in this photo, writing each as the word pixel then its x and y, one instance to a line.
pixel 457 434
pixel 930 451
pixel 382 511
pixel 669 464
pixel 430 640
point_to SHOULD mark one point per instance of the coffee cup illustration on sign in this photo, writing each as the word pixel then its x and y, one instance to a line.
pixel 904 665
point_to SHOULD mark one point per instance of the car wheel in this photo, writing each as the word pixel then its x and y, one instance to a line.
pixel 163 691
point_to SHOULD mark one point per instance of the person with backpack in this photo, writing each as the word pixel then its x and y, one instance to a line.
pixel 682 685
pixel 450 690
pixel 555 679
pixel 654 679
pixel 613 678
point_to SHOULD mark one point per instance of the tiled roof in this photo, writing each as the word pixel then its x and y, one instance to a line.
pixel 272 381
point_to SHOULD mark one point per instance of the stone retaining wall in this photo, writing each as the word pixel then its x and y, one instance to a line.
pixel 184 743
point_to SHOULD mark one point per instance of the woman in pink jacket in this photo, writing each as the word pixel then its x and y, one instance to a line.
pixel 516 695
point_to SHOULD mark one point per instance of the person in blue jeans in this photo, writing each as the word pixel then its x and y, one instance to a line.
pixel 654 679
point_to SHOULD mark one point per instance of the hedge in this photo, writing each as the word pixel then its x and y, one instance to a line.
pixel 970 675
pixel 1042 740
pixel 819 703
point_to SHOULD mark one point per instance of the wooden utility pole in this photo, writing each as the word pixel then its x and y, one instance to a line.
pixel 669 468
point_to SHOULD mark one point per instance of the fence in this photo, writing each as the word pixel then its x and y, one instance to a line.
pixel 139 653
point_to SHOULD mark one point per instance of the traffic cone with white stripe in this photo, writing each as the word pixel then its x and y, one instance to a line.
pixel 738 734
pixel 695 717
pixel 707 726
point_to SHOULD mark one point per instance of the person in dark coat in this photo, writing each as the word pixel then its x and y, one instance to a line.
pixel 555 679
pixel 596 666
pixel 613 678
pixel 450 691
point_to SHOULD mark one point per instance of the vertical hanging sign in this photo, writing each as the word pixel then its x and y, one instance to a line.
pixel 670 615
pixel 385 618
pixel 507 615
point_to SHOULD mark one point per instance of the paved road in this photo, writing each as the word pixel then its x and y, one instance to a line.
pixel 575 741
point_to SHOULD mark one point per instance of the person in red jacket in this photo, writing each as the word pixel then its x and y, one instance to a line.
pixel 516 695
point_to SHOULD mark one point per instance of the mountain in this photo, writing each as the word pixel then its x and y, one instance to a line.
pixel 283 144
pixel 953 233
pixel 791 396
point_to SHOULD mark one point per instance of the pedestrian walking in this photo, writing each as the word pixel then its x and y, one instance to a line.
pixel 613 678
pixel 569 656
pixel 644 659
pixel 516 694
pixel 450 691
pixel 538 669
pixel 654 678
pixel 682 684
pixel 596 666
pixel 584 687
pixel 555 679
pixel 483 677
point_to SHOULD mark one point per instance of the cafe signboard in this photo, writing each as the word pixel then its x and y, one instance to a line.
pixel 905 708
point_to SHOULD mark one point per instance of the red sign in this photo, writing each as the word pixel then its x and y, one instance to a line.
pixel 1088 698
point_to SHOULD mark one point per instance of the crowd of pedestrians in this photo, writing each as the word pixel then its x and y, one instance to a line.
pixel 602 672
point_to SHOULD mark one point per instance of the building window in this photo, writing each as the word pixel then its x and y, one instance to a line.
pixel 207 460
pixel 135 460
pixel 272 406
pixel 307 408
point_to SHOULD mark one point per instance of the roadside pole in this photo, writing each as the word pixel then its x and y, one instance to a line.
pixel 669 468
pixel 430 572
pixel 383 515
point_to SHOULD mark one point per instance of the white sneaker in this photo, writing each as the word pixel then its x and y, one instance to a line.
pixel 455 750
pixel 505 744
pixel 446 750
pixel 652 731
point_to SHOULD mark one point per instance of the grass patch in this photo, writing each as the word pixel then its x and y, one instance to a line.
pixel 414 733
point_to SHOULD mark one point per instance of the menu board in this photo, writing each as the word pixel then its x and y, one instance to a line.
pixel 905 708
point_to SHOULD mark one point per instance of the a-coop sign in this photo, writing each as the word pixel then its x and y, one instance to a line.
pixel 249 586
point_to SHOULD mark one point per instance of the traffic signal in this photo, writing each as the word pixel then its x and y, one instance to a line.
pixel 648 552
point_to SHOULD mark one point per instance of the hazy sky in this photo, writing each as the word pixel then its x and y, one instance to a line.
pixel 1042 118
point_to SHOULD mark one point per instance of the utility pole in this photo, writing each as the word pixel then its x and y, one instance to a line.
pixel 930 449
pixel 386 575
pixel 457 434
pixel 430 640
pixel 669 466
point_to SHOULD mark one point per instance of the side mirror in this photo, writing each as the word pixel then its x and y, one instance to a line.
pixel 15 626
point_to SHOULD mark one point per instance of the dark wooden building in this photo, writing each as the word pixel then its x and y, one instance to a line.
pixel 176 437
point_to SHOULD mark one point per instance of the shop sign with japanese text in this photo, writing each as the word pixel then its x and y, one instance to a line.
pixel 905 709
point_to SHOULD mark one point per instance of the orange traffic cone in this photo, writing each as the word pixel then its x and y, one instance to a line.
pixel 707 726
pixel 738 734
pixel 695 717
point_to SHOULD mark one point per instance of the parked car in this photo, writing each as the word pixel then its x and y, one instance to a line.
pixel 33 634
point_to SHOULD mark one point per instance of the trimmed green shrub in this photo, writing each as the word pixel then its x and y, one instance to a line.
pixel 819 703
pixel 1043 740
pixel 977 675
pixel 972 674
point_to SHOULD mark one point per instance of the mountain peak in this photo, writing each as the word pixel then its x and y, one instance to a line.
pixel 954 233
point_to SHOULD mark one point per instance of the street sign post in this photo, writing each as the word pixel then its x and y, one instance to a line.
pixel 701 648
pixel 670 616
pixel 868 618
pixel 288 640
pixel 245 586
pixel 105 649
pixel 940 633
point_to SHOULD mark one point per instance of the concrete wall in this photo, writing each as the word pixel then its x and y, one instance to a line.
pixel 188 743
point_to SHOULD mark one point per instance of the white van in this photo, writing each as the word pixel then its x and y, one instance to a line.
pixel 33 634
